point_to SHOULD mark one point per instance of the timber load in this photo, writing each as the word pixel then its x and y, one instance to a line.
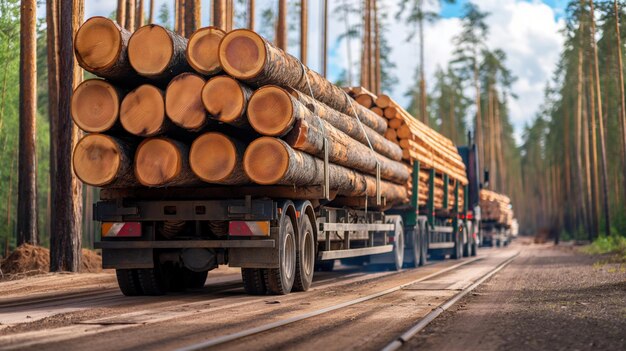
pixel 495 207
pixel 419 143
pixel 209 113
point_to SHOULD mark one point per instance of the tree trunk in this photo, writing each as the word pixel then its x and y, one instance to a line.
pixel 620 74
pixel 162 162
pixel 151 15
pixel 219 14
pixel 230 13
pixel 27 171
pixel 120 14
pixel 325 40
pixel 594 151
pixel 218 159
pixel 142 112
pixel 130 15
pixel 183 101
pixel 281 26
pixel 157 53
pixel 270 161
pixel 304 30
pixel 377 73
pixel 52 41
pixel 102 48
pixel 141 17
pixel 202 50
pixel 605 188
pixel 366 53
pixel 192 17
pixel 96 105
pixel 283 115
pixel 180 17
pixel 250 58
pixel 101 160
pixel 226 100
pixel 251 14
pixel 66 216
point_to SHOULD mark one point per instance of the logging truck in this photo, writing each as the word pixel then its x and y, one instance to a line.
pixel 161 240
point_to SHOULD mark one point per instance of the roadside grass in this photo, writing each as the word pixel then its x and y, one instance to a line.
pixel 613 246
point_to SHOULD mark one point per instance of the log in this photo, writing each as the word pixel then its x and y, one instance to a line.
pixel 202 50
pixel 143 112
pixel 161 162
pixel 101 48
pixel 157 53
pixel 269 161
pixel 102 160
pixel 183 101
pixel 275 110
pixel 95 105
pixel 216 158
pixel 226 100
pixel 383 101
pixel 247 56
pixel 308 132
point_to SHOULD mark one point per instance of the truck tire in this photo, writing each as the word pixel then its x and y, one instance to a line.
pixel 253 281
pixel 398 244
pixel 467 246
pixel 412 238
pixel 279 281
pixel 305 256
pixel 128 281
pixel 153 281
pixel 457 251
pixel 474 247
pixel 423 238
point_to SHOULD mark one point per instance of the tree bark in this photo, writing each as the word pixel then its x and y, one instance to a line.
pixel 251 14
pixel 52 41
pixel 270 161
pixel 130 15
pixel 281 26
pixel 104 161
pixel 121 13
pixel 192 17
pixel 620 74
pixel 157 53
pixel 226 100
pixel 218 159
pixel 66 214
pixel 161 162
pixel 95 106
pixel 151 14
pixel 202 50
pixel 219 14
pixel 270 65
pixel 142 112
pixel 141 17
pixel 304 30
pixel 27 173
pixel 101 48
pixel 229 15
pixel 183 101
pixel 325 40
pixel 284 114
pixel 605 189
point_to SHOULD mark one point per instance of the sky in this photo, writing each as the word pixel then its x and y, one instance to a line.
pixel 526 30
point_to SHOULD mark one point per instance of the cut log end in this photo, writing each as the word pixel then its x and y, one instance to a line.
pixel 98 43
pixel 95 105
pixel 266 161
pixel 270 111
pixel 223 98
pixel 143 111
pixel 213 157
pixel 158 161
pixel 183 101
pixel 150 50
pixel 242 54
pixel 97 160
pixel 202 50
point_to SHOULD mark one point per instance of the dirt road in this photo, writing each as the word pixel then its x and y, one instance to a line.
pixel 546 299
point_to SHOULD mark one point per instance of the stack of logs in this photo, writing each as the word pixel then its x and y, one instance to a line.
pixel 495 207
pixel 419 143
pixel 221 109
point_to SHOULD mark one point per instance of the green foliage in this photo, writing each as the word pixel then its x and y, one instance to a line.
pixel 608 245
pixel 165 16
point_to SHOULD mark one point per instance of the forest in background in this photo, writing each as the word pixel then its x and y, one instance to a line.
pixel 554 177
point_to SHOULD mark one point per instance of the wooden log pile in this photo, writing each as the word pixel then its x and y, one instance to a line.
pixel 220 110
pixel 495 207
pixel 418 143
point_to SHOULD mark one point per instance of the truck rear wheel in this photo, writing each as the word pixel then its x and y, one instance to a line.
pixel 423 238
pixel 153 281
pixel 128 281
pixel 398 244
pixel 194 280
pixel 253 281
pixel 279 281
pixel 305 257
pixel 457 251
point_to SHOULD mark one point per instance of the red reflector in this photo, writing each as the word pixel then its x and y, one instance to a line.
pixel 249 228
pixel 123 229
